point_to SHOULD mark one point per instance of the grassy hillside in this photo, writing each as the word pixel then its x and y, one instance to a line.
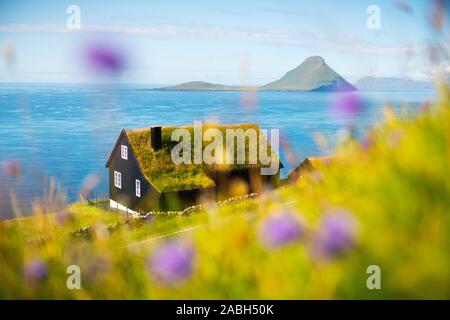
pixel 51 225
pixel 383 202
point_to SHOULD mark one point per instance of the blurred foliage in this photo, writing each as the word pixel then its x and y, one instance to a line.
pixel 395 184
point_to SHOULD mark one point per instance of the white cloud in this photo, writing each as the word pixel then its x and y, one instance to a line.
pixel 263 36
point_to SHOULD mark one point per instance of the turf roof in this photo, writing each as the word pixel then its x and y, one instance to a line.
pixel 159 169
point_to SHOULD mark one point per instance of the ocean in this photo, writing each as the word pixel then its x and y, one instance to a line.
pixel 65 132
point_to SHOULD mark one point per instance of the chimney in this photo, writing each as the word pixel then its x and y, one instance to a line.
pixel 155 137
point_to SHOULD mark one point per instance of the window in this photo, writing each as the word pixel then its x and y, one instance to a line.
pixel 138 188
pixel 124 152
pixel 118 179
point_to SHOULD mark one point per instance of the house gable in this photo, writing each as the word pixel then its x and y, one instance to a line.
pixel 130 171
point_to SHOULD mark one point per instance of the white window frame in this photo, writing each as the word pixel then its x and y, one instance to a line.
pixel 124 152
pixel 137 188
pixel 118 179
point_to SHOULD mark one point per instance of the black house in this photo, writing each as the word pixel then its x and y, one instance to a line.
pixel 143 177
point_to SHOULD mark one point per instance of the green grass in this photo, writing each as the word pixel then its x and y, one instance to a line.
pixel 75 217
pixel 165 176
pixel 162 224
pixel 395 186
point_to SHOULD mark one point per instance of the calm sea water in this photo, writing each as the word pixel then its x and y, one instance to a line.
pixel 66 132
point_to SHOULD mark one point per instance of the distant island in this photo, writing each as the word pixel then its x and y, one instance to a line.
pixel 312 75
pixel 201 86
pixel 392 83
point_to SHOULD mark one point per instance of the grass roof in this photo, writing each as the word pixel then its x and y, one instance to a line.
pixel 159 169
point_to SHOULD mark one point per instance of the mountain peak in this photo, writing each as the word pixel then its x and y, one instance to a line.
pixel 312 75
pixel 314 59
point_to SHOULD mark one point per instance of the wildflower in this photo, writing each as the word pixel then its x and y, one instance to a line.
pixel 104 58
pixel 12 168
pixel 347 103
pixel 403 6
pixel 64 217
pixel 172 262
pixel 394 138
pixel 149 218
pixel 367 142
pixel 9 54
pixel 336 234
pixel 437 16
pixel 424 105
pixel 89 183
pixel 35 270
pixel 101 232
pixel 279 229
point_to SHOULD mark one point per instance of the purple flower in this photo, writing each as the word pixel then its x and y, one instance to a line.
pixel 337 233
pixel 35 270
pixel 12 168
pixel 347 103
pixel 104 58
pixel 172 262
pixel 403 6
pixel 279 229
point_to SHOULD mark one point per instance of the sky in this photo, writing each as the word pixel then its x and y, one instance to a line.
pixel 228 42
